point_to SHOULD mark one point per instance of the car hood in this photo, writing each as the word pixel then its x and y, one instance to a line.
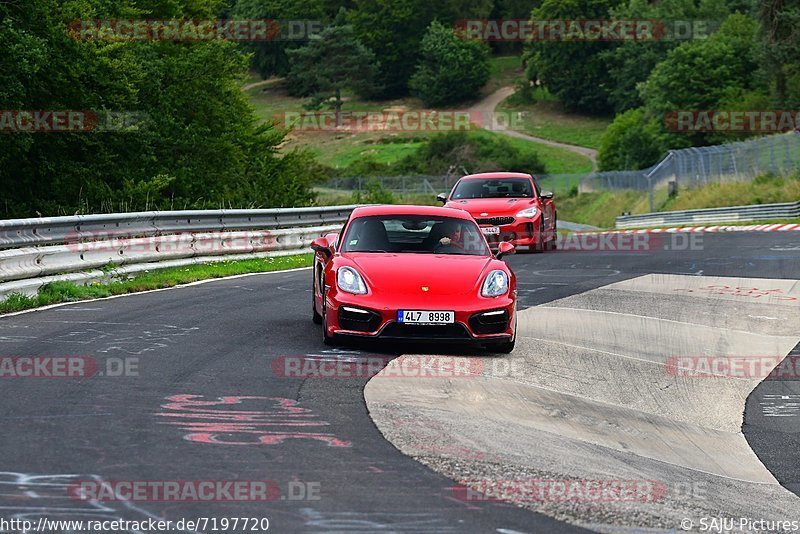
pixel 493 207
pixel 405 273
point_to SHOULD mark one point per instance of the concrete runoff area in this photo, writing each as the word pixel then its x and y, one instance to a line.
pixel 598 390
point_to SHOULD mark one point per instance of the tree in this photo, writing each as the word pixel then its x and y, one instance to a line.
pixel 451 69
pixel 780 47
pixel 700 75
pixel 330 63
pixel 393 30
pixel 630 63
pixel 200 147
pixel 270 57
pixel 632 141
pixel 575 72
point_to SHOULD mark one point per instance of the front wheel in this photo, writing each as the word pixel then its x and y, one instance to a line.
pixel 552 243
pixel 539 245
pixel 502 347
pixel 326 339
pixel 315 316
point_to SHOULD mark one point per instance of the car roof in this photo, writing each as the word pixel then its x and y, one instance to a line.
pixel 399 209
pixel 496 175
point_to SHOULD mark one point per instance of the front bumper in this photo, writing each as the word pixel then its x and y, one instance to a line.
pixel 481 322
pixel 522 232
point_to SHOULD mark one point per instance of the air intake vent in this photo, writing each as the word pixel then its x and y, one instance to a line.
pixel 496 221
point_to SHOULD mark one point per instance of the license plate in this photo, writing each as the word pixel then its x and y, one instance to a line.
pixel 425 317
pixel 491 230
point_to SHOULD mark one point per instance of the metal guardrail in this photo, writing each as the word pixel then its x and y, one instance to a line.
pixel 759 212
pixel 43 249
pixel 52 230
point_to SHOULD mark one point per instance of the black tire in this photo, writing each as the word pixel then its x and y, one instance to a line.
pixel 502 347
pixel 316 317
pixel 539 246
pixel 553 243
pixel 326 339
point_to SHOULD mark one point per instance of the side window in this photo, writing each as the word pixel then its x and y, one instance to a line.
pixel 538 189
pixel 341 235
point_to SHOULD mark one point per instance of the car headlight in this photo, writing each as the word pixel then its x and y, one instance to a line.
pixel 350 281
pixel 529 212
pixel 496 284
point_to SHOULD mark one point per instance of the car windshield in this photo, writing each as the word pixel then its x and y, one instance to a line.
pixel 415 234
pixel 496 188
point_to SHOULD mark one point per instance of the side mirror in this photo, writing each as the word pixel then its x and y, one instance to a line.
pixel 546 195
pixel 333 240
pixel 442 197
pixel 321 246
pixel 504 249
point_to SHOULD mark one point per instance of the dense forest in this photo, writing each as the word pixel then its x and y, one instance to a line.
pixel 196 142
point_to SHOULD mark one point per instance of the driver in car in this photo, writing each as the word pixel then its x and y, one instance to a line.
pixel 452 236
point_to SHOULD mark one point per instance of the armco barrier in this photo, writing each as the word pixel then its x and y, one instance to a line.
pixel 760 212
pixel 38 249
pixel 51 230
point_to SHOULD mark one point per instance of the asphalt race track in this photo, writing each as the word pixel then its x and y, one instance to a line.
pixel 212 348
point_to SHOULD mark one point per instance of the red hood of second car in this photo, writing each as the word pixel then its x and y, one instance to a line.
pixel 493 207
pixel 406 273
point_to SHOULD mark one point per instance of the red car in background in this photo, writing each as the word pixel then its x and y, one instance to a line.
pixel 509 207
pixel 410 273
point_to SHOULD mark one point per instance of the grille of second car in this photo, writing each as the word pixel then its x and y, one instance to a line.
pixel 496 221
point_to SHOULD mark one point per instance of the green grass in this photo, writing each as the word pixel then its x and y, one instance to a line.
pixel 598 209
pixel 763 190
pixel 556 160
pixel 339 197
pixel 547 119
pixel 340 149
pixel 57 292
pixel 272 101
pixel 503 71
pixel 338 154
pixel 602 208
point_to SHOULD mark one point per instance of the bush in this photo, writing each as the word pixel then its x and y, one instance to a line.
pixel 451 69
pixel 373 193
pixel 474 152
pixel 632 141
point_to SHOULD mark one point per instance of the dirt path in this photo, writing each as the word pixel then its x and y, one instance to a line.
pixel 487 106
pixel 262 83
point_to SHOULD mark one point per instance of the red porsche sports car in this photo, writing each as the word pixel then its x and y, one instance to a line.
pixel 414 273
pixel 508 206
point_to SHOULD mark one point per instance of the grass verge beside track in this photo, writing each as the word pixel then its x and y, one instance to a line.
pixel 58 292
pixel 601 208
